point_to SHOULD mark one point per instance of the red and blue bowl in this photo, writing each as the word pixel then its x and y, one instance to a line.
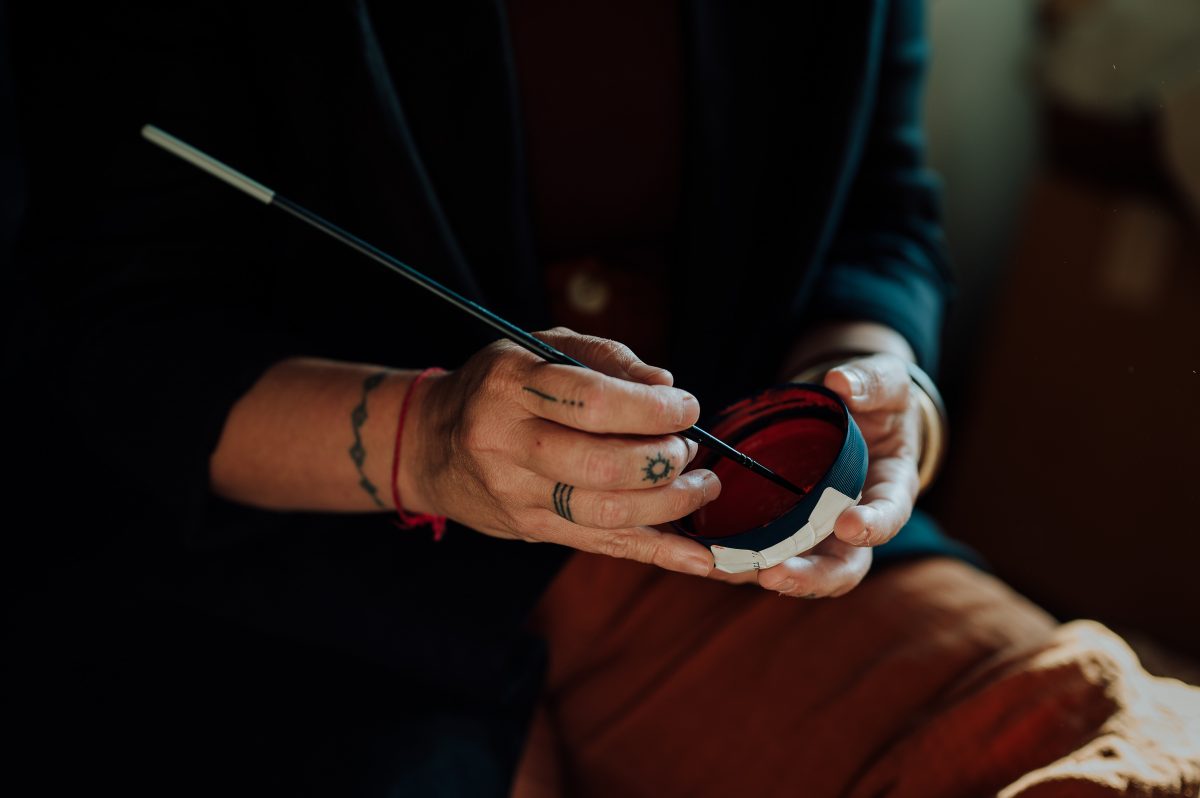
pixel 806 434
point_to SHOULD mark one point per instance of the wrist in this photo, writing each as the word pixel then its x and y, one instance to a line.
pixel 841 341
pixel 417 456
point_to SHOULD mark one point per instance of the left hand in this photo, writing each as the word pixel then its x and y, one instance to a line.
pixel 877 391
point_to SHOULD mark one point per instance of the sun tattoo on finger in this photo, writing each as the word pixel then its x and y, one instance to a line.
pixel 657 469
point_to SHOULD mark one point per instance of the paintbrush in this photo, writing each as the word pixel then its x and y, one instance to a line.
pixel 509 330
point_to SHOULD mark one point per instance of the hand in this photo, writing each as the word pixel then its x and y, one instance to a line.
pixel 877 391
pixel 516 447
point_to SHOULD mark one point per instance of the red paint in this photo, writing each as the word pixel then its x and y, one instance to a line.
pixel 801 446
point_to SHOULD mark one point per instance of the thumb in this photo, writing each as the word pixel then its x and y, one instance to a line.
pixel 877 382
pixel 609 357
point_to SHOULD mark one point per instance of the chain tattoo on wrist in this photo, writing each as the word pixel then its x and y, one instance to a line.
pixel 562 500
pixel 549 398
pixel 358 452
pixel 657 468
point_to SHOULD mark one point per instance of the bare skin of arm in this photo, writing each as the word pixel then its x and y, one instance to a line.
pixel 508 445
pixel 511 447
pixel 291 442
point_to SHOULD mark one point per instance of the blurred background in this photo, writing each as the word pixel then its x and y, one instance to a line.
pixel 1067 133
pixel 1068 136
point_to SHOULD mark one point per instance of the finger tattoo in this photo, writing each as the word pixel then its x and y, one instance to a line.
pixel 657 468
pixel 562 500
pixel 549 398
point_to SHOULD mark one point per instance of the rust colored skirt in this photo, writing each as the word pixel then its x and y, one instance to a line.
pixel 930 679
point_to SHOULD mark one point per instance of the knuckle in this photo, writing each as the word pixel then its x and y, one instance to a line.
pixel 872 381
pixel 497 374
pixel 593 406
pixel 588 348
pixel 501 354
pixel 495 350
pixel 601 467
pixel 656 554
pixel 619 352
pixel 687 500
pixel 556 336
pixel 664 409
pixel 618 546
pixel 661 410
pixel 529 525
pixel 613 512
pixel 597 347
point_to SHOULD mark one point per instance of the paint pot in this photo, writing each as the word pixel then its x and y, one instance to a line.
pixel 804 433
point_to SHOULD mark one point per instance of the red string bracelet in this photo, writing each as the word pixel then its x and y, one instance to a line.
pixel 409 520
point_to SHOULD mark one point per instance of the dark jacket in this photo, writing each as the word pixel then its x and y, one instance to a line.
pixel 168 294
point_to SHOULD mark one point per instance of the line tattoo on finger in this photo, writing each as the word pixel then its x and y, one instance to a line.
pixel 358 452
pixel 549 398
pixel 562 500
pixel 657 469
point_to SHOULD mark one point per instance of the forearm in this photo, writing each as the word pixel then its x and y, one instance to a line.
pixel 312 435
pixel 844 338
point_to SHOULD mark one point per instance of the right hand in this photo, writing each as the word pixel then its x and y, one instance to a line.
pixel 516 447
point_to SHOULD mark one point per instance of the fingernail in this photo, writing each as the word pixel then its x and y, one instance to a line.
pixel 685 410
pixel 710 488
pixel 786 588
pixel 862 539
pixel 856 382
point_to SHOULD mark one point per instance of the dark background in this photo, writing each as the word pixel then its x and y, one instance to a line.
pixel 1073 351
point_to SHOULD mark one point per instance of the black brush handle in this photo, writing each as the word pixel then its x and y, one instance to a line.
pixel 506 328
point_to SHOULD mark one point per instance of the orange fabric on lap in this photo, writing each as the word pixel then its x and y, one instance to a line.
pixel 929 679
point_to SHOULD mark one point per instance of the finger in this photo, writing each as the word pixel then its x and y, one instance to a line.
pixel 594 402
pixel 832 569
pixel 643 544
pixel 878 382
pixel 606 356
pixel 886 506
pixel 625 509
pixel 600 462
pixel 740 578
